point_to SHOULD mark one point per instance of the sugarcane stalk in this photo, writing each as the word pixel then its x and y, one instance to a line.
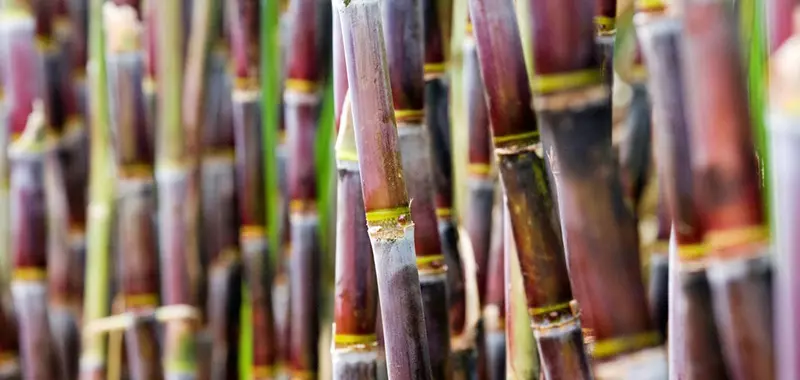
pixel 600 232
pixel 658 255
pixel 242 18
pixel 61 327
pixel 695 341
pixel 101 202
pixel 404 37
pixel 386 202
pixel 73 149
pixel 281 293
pixel 779 17
pixel 134 236
pixel 436 20
pixel 480 177
pixel 522 171
pixel 32 157
pixel 180 261
pixel 281 296
pixel 137 268
pixel 783 120
pixel 59 109
pixel 635 150
pixel 727 175
pixel 605 20
pixel 201 31
pixel 9 364
pixel 219 206
pixel 522 357
pixel 305 64
pixel 355 346
pixel 149 10
pixel 494 309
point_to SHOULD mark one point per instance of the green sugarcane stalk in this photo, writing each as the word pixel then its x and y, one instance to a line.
pixel 101 202
pixel 177 195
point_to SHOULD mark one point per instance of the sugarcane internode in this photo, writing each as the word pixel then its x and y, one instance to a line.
pixel 574 108
pixel 31 158
pixel 555 326
pixel 355 342
pixel 729 191
pixel 784 117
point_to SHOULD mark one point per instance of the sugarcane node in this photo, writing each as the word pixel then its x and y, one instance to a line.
pixel 638 365
pixel 613 347
pixel 302 86
pixel 650 6
pixel 479 170
pixel 263 371
pixel 520 140
pixel 606 26
pixel 408 118
pixel 135 171
pixel 725 242
pixel 431 265
pixel 573 98
pixel 692 252
pixel 29 274
pixel 303 207
pixel 122 321
pixel 575 81
pixel 556 326
pixel 444 214
pixel 346 343
pixel 246 89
